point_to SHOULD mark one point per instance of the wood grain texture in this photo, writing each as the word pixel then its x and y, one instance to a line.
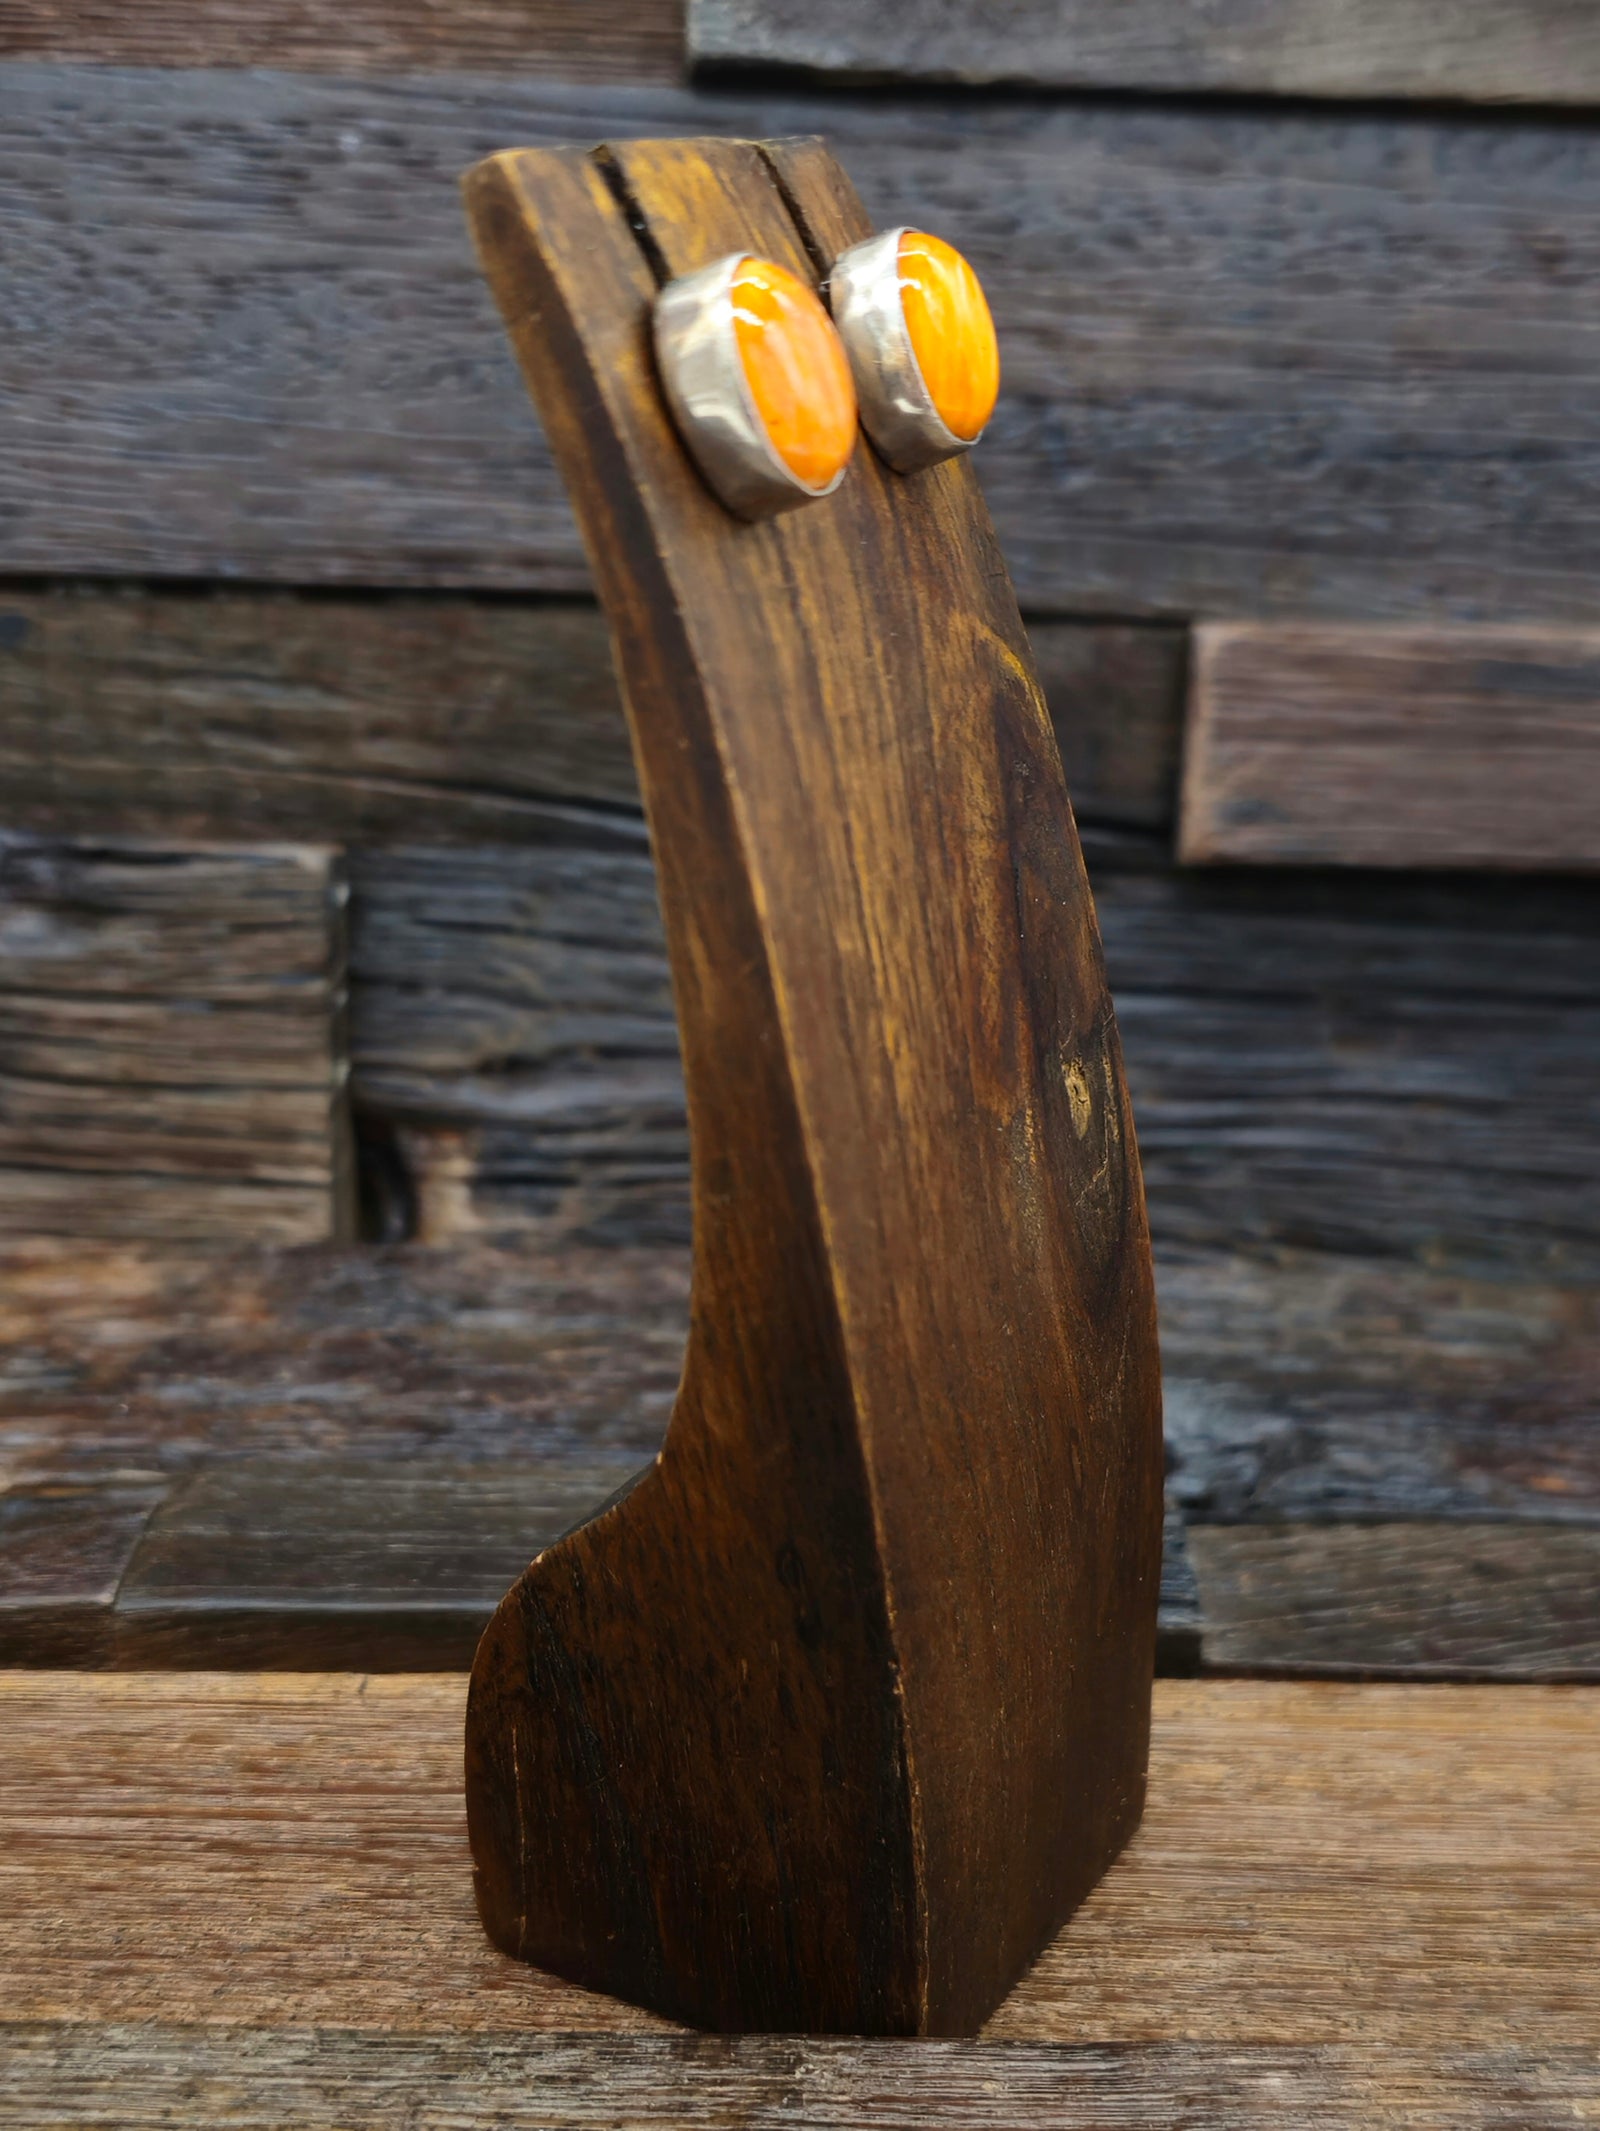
pixel 430 1402
pixel 430 719
pixel 1385 1066
pixel 573 40
pixel 1365 1870
pixel 1449 1601
pixel 1312 1387
pixel 171 1041
pixel 251 714
pixel 321 1563
pixel 1496 51
pixel 153 2076
pixel 154 1363
pixel 1258 363
pixel 63 1554
pixel 1300 1385
pixel 512 1022
pixel 823 1793
pixel 1393 747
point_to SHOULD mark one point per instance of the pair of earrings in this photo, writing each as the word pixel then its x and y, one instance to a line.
pixel 767 388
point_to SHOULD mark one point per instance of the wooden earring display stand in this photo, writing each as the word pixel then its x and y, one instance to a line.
pixel 831 1720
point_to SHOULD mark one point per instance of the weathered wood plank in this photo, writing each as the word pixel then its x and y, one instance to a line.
pixel 152 2076
pixel 249 714
pixel 422 1400
pixel 1378 1867
pixel 512 1020
pixel 198 1212
pixel 1393 747
pixel 1185 298
pixel 242 925
pixel 598 40
pixel 155 1362
pixel 1178 1619
pixel 1116 693
pixel 325 1563
pixel 1531 51
pixel 171 1041
pixel 254 713
pixel 1314 1061
pixel 63 1553
pixel 1310 1387
pixel 1446 1601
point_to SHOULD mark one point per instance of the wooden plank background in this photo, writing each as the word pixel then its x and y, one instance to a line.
pixel 1379 1467
pixel 1298 423
pixel 597 40
pixel 1393 747
pixel 172 1057
pixel 1257 362
pixel 1533 51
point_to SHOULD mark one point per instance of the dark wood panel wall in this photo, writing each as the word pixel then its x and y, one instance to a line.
pixel 574 40
pixel 1490 51
pixel 1259 361
pixel 319 832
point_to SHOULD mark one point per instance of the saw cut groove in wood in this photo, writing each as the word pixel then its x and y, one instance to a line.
pixel 832 1719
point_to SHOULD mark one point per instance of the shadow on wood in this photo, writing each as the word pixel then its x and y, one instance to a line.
pixel 833 1718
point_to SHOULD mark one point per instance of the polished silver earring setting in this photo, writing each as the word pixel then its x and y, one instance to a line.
pixel 866 293
pixel 716 400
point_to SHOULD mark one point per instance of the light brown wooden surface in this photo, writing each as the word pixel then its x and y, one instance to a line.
pixel 1407 1868
pixel 1315 745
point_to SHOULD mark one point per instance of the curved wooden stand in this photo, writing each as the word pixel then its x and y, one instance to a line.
pixel 831 1720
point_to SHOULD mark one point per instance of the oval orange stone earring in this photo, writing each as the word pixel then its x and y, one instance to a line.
pixel 758 383
pixel 916 326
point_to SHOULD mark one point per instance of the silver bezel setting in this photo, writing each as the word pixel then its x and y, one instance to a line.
pixel 897 410
pixel 697 355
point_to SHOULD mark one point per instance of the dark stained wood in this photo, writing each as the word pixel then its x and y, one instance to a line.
pixel 1257 363
pixel 431 719
pixel 768 1744
pixel 263 1879
pixel 171 1041
pixel 1532 51
pixel 571 40
pixel 1393 747
pixel 1448 1601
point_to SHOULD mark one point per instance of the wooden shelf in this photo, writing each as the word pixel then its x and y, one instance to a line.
pixel 246 1898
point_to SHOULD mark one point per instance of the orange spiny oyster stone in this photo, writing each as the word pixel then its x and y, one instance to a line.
pixel 952 334
pixel 798 373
